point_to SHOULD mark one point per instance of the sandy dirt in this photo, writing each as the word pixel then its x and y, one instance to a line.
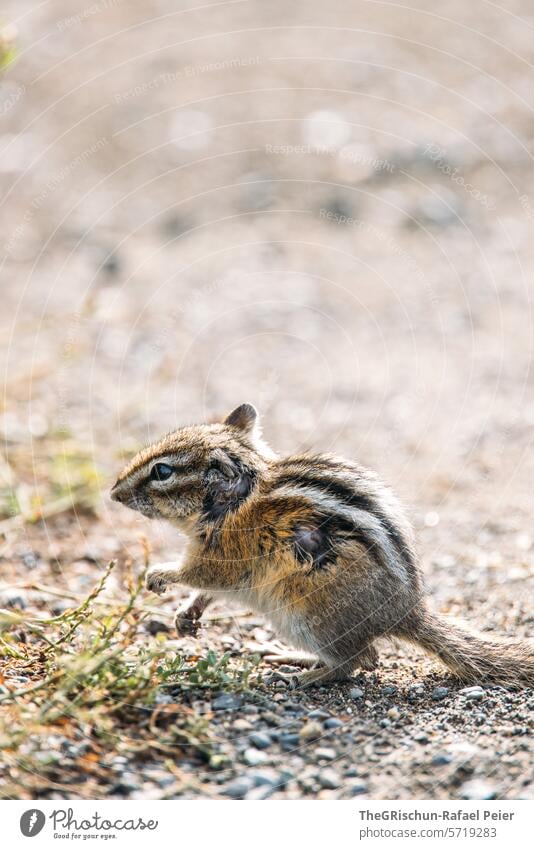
pixel 326 209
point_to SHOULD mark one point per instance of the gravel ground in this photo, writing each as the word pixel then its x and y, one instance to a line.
pixel 326 210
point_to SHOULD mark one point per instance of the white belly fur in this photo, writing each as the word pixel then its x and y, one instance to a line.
pixel 291 628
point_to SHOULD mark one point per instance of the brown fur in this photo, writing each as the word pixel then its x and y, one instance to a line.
pixel 317 544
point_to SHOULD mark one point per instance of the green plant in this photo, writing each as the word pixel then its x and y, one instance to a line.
pixel 92 676
pixel 8 34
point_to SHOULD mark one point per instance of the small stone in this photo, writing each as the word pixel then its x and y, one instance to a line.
pixel 472 693
pixel 326 754
pixel 163 699
pixel 260 740
pixel 333 722
pixel 329 779
pixel 384 723
pixel 271 718
pixel 253 757
pixel 441 760
pixel 242 725
pixel 13 598
pixel 318 714
pixel 111 264
pixel 219 761
pixel 416 691
pixel 390 690
pixel 310 731
pixel 289 741
pixel 266 776
pixel 356 788
pixel 239 788
pixel 156 626
pixel 258 794
pixel 129 781
pixel 356 693
pixel 523 542
pixel 478 789
pixel 226 701
pixel 439 211
pixel 420 737
pixel 439 693
pixel 394 713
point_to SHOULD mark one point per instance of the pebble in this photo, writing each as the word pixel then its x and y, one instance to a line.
pixel 390 690
pixel 253 757
pixel 128 781
pixel 318 714
pixel 478 789
pixel 472 693
pixel 156 626
pixel 266 776
pixel 258 794
pixel 227 701
pixel 356 693
pixel 238 788
pixel 439 693
pixel 310 731
pixel 439 211
pixel 420 737
pixel 11 598
pixel 289 741
pixel 260 740
pixel 333 722
pixel 242 725
pixel 394 713
pixel 356 788
pixel 441 760
pixel 164 699
pixel 326 754
pixel 329 779
pixel 325 128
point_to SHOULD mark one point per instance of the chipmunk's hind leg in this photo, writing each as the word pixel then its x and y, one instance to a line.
pixel 321 674
pixel 318 675
pixel 367 659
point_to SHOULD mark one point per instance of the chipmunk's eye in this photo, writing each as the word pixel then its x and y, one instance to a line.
pixel 161 472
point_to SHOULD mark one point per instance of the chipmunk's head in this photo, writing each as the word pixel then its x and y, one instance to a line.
pixel 204 470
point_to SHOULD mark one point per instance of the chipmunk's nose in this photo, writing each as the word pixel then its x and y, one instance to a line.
pixel 118 492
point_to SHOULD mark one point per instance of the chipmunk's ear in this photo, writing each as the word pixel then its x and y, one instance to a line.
pixel 245 417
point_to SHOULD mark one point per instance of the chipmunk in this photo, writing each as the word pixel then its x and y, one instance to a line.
pixel 317 544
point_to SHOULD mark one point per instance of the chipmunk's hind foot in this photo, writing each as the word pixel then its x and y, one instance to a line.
pixel 321 675
pixel 316 676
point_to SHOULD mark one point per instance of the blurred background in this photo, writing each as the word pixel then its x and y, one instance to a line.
pixel 326 209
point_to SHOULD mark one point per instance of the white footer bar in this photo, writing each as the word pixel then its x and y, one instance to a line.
pixel 268 825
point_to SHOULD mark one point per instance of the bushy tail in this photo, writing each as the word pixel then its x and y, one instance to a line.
pixel 473 658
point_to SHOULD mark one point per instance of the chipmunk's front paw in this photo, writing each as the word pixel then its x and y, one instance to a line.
pixel 157 580
pixel 186 624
